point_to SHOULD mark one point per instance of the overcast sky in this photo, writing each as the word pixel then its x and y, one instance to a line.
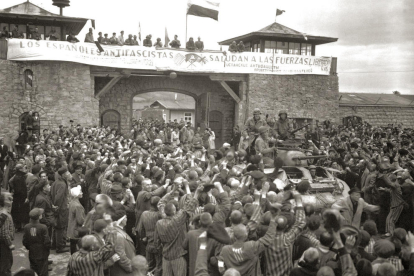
pixel 375 49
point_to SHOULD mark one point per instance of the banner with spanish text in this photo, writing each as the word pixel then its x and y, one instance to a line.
pixel 167 59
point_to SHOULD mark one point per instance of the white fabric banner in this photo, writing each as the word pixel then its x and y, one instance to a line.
pixel 167 59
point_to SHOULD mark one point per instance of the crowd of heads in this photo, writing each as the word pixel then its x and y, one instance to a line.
pixel 232 187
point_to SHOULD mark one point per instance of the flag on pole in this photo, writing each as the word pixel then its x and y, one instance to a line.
pixel 167 39
pixel 139 31
pixel 279 12
pixel 203 8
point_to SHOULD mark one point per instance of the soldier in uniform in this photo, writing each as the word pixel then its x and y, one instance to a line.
pixel 175 43
pixel 262 147
pixel 36 239
pixel 282 127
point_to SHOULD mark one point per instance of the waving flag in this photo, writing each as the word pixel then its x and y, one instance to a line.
pixel 203 8
pixel 279 12
pixel 167 39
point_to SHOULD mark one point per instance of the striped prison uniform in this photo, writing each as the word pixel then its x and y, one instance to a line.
pixel 244 256
pixel 279 253
pixel 396 206
pixel 84 263
pixel 170 234
pixel 146 228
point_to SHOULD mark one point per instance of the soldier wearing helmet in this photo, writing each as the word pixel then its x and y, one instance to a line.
pixel 254 123
pixel 262 146
pixel 282 127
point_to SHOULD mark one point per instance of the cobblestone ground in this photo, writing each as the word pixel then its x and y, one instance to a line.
pixel 21 259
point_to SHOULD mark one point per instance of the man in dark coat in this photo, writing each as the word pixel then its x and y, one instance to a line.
pixel 190 44
pixel 20 207
pixel 59 194
pixel 36 239
pixel 4 151
pixel 175 43
pixel 147 41
pixel 43 201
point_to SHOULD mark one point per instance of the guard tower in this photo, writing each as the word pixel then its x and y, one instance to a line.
pixel 27 16
pixel 279 39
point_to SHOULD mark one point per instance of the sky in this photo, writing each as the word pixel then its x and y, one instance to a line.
pixel 375 47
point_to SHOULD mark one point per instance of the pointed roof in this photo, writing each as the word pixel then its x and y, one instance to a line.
pixel 28 12
pixel 27 8
pixel 278 31
pixel 174 105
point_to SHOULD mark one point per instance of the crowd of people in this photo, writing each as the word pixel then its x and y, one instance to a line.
pixel 162 199
pixel 119 40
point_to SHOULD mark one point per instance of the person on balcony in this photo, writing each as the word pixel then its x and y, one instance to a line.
pixel 175 43
pixel 129 40
pixel 148 41
pixel 72 38
pixel 199 44
pixel 89 37
pixel 53 35
pixel 158 43
pixel 190 44
pixel 233 47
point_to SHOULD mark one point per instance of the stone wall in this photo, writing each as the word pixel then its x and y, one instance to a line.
pixel 61 91
pixel 120 97
pixel 303 96
pixel 380 115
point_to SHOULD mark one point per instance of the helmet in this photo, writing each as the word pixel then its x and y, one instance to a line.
pixel 282 112
pixel 256 111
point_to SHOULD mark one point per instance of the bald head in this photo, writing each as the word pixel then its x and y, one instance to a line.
pixel 281 223
pixel 240 232
pixel 236 217
pixel 206 219
pixel 311 256
pixel 325 271
pixel 88 242
pixel 140 265
pixel 386 269
pixel 231 272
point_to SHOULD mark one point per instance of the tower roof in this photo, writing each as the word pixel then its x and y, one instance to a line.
pixel 279 31
pixel 28 12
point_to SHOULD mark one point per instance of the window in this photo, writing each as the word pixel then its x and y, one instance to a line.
pixel 256 46
pixel 270 46
pixel 294 48
pixel 306 49
pixel 28 79
pixel 282 48
pixel 187 116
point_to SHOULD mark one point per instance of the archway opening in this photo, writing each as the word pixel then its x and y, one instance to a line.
pixel 165 106
pixel 351 121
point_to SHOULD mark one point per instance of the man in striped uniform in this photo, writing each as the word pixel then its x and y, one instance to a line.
pixel 279 253
pixel 89 261
pixel 397 202
pixel 6 236
pixel 146 229
pixel 170 233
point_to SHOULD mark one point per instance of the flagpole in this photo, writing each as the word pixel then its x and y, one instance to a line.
pixel 186 20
